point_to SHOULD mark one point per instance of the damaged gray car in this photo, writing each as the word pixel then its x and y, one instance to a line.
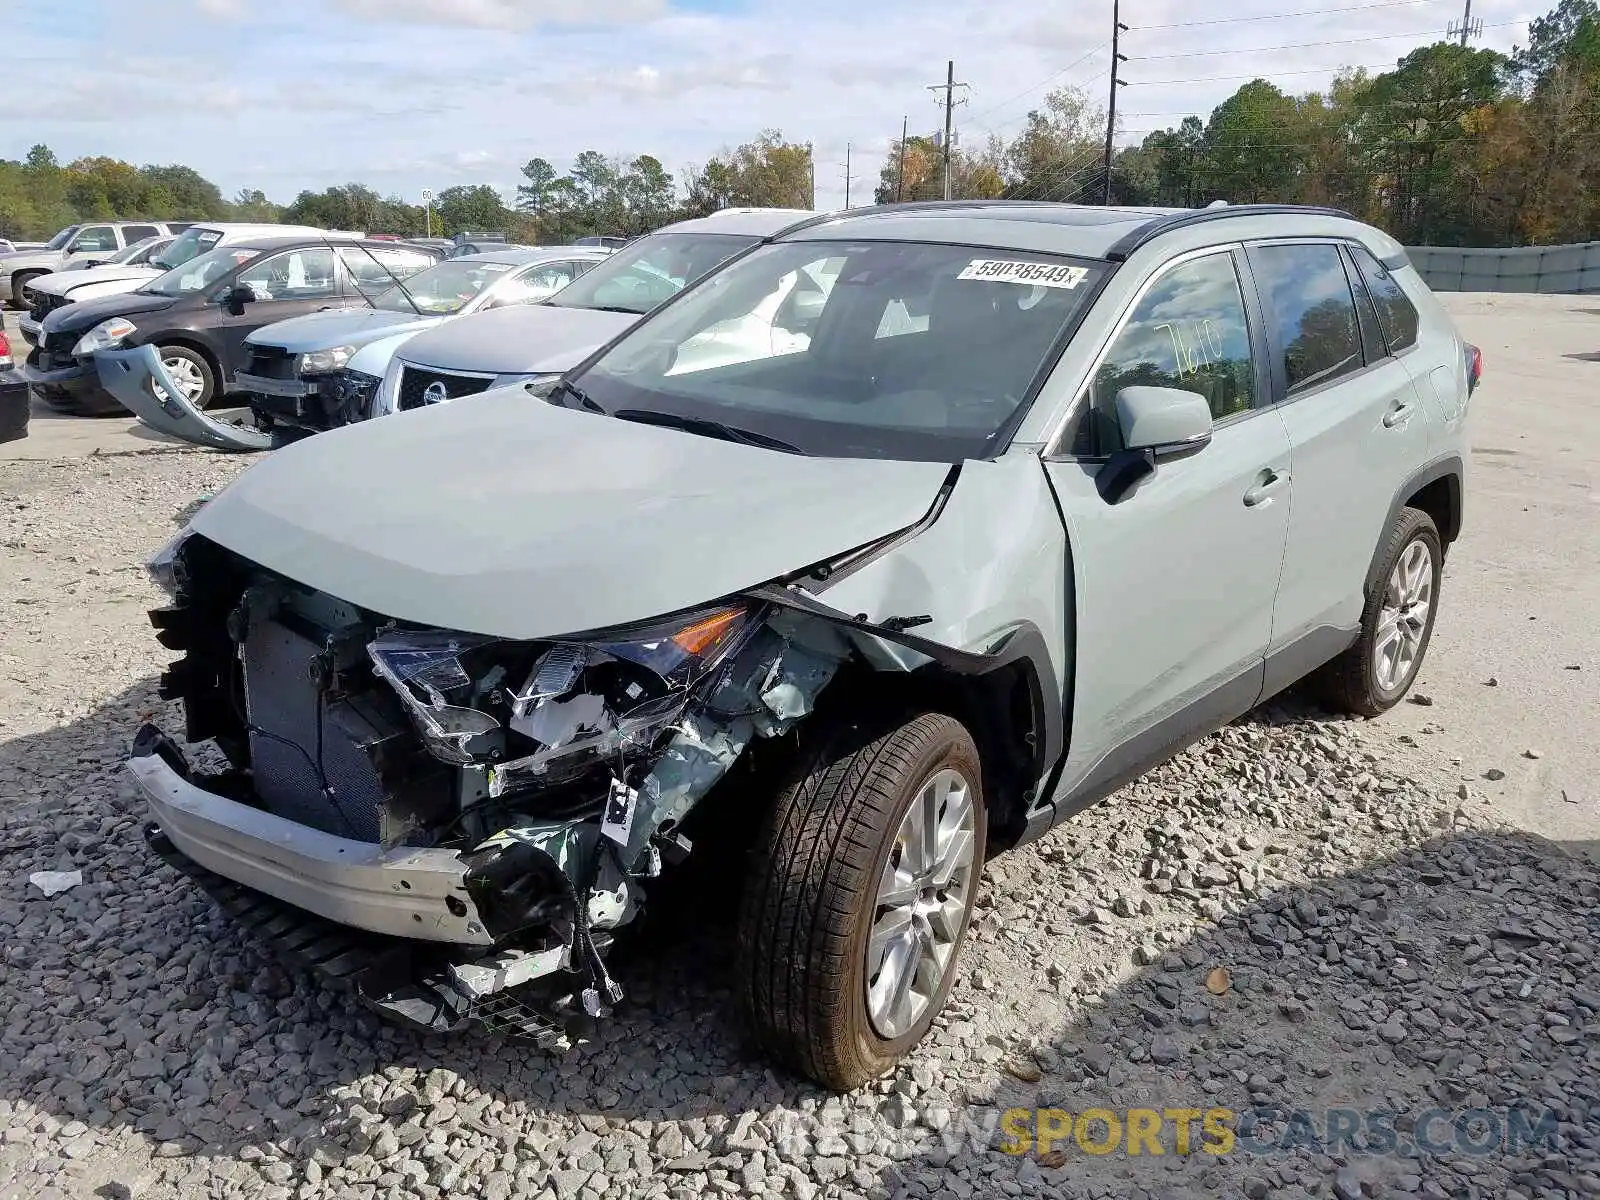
pixel 1001 520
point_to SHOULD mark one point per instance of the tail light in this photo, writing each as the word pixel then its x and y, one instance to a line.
pixel 1474 367
pixel 5 351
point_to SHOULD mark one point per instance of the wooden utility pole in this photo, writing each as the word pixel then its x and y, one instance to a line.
pixel 900 175
pixel 948 87
pixel 1117 59
pixel 847 174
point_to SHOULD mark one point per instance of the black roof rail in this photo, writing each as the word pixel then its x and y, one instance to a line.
pixel 1129 242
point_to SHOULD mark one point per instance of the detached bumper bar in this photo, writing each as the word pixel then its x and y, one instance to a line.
pixel 415 894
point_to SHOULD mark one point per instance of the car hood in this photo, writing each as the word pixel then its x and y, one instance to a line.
pixel 86 314
pixel 60 283
pixel 514 518
pixel 524 339
pixel 347 327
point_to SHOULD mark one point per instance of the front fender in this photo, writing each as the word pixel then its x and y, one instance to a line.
pixel 139 381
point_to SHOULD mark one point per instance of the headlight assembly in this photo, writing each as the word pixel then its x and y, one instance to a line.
pixel 324 362
pixel 165 567
pixel 107 335
pixel 553 709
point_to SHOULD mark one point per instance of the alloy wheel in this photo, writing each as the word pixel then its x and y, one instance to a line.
pixel 921 902
pixel 1403 619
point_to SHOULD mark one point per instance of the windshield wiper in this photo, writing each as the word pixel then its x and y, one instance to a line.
pixel 578 394
pixel 395 279
pixel 616 308
pixel 707 428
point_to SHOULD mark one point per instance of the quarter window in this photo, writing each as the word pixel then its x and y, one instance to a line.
pixel 137 233
pixel 1308 300
pixel 1396 314
pixel 296 275
pixel 1189 331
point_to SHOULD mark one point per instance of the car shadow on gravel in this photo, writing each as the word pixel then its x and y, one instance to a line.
pixel 1427 1025
pixel 1453 975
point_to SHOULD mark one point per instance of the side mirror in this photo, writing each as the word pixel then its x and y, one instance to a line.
pixel 1165 420
pixel 235 298
pixel 1156 423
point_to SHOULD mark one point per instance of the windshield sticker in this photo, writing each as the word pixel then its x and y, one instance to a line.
pixel 494 268
pixel 1006 270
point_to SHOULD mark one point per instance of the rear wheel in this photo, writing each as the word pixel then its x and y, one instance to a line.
pixel 191 372
pixel 858 899
pixel 1374 674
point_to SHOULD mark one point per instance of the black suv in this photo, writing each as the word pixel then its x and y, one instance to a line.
pixel 199 314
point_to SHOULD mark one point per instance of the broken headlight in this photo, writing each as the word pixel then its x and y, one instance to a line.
pixel 553 710
pixel 165 566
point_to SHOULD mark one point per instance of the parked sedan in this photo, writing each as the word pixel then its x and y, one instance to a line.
pixel 292 363
pixel 199 314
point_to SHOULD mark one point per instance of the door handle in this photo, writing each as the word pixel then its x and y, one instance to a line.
pixel 1398 415
pixel 1262 493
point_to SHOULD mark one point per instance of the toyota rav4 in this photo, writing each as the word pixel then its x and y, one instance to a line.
pixel 1028 498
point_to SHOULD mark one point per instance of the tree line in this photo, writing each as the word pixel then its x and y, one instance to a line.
pixel 597 195
pixel 1454 147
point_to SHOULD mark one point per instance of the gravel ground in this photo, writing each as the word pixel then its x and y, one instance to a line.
pixel 1289 914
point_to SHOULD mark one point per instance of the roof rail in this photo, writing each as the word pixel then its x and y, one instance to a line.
pixel 867 210
pixel 1129 242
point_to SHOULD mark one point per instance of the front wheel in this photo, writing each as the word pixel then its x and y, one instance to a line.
pixel 19 281
pixel 858 899
pixel 1370 678
pixel 191 372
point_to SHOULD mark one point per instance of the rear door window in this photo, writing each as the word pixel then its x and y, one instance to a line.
pixel 137 233
pixel 295 275
pixel 1309 305
pixel 1396 314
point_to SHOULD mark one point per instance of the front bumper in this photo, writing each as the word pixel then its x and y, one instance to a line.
pixel 30 330
pixel 75 389
pixel 405 893
pixel 266 386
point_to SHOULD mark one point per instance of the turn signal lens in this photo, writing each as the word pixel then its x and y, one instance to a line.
pixel 705 634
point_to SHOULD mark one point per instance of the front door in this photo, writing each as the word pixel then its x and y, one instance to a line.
pixel 288 284
pixel 1174 585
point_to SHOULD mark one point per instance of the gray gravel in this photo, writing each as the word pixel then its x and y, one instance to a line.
pixel 1382 945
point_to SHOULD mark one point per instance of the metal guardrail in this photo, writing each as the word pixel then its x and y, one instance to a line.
pixel 1554 269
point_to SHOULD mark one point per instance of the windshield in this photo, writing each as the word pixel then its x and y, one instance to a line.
pixel 192 241
pixel 197 274
pixel 443 290
pixel 852 349
pixel 62 238
pixel 651 271
pixel 136 253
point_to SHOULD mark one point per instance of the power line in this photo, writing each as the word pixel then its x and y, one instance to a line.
pixel 1307 12
pixel 1262 74
pixel 1382 37
pixel 1047 79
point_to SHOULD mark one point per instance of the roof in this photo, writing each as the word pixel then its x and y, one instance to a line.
pixel 757 222
pixel 1073 229
pixel 289 241
pixel 533 254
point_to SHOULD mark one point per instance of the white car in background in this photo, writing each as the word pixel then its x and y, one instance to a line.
pixel 125 271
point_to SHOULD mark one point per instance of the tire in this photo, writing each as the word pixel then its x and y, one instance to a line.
pixel 193 365
pixel 1367 679
pixel 20 280
pixel 812 897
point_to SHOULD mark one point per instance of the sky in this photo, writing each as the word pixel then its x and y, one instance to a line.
pixel 283 95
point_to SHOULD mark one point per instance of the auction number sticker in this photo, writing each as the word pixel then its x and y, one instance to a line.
pixel 1009 270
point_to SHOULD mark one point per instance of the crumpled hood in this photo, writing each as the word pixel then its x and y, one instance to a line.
pixel 347 327
pixel 512 517
pixel 86 314
pixel 523 339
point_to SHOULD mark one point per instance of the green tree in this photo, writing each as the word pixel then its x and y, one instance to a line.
pixel 471 207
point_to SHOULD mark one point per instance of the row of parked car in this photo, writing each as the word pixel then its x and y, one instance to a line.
pixel 304 327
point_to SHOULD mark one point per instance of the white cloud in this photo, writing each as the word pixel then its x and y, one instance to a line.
pixel 428 93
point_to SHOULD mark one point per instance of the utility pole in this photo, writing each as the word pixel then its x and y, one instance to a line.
pixel 847 174
pixel 1466 27
pixel 948 87
pixel 811 171
pixel 1117 59
pixel 900 175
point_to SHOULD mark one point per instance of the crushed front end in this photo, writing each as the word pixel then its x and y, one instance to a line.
pixel 452 824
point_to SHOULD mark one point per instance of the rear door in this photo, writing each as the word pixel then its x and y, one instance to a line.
pixel 288 284
pixel 1174 584
pixel 1356 430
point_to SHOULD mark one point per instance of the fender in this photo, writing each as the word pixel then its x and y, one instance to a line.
pixel 1447 466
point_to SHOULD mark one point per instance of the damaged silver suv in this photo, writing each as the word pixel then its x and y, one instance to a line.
pixel 1025 498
